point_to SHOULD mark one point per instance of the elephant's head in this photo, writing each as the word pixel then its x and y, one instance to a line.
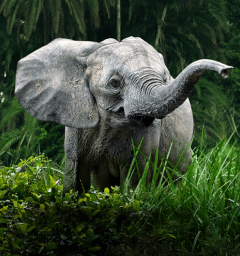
pixel 76 83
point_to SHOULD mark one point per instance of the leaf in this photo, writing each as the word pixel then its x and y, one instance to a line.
pixel 13 18
pixel 16 246
pixel 52 245
pixel 2 193
pixel 116 197
pixel 79 227
pixel 136 206
pixel 30 229
pixel 160 231
pixel 129 228
pixel 35 195
pixel 22 226
pixel 90 233
pixel 40 250
pixel 95 212
pixel 95 248
pixel 39 163
pixel 106 191
pixel 87 210
pixel 42 207
pixel 171 236
pixel 3 4
pixel 15 204
pixel 52 182
pixel 47 229
pixel 67 197
pixel 81 236
pixel 110 213
pixel 82 200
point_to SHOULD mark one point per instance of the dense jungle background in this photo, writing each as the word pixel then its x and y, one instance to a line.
pixel 182 30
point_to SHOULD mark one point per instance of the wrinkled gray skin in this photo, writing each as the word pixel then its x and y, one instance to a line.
pixel 107 94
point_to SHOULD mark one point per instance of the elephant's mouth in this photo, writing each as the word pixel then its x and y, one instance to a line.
pixel 146 120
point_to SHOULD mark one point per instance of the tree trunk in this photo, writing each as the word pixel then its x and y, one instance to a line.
pixel 119 20
pixel 160 36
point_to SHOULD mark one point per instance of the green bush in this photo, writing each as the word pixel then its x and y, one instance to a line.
pixel 200 215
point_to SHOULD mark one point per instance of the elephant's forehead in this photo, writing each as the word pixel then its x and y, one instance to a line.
pixel 124 49
pixel 123 53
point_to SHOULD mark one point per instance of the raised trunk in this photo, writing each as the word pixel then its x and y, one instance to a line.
pixel 165 98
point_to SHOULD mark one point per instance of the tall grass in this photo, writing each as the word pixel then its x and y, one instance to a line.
pixel 202 211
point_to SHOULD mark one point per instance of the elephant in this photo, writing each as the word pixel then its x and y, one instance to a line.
pixel 108 95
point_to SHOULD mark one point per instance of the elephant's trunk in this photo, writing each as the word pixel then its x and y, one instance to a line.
pixel 165 98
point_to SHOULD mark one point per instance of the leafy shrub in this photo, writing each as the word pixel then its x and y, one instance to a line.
pixel 198 216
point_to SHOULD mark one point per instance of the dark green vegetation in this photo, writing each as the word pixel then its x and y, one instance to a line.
pixel 200 216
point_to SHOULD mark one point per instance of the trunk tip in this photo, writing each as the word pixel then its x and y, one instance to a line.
pixel 226 71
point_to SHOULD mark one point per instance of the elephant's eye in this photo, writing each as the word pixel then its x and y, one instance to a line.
pixel 165 77
pixel 114 82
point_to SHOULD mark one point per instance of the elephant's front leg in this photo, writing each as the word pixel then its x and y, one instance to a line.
pixel 73 178
pixel 70 176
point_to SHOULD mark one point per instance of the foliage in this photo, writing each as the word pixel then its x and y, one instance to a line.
pixel 197 216
pixel 25 137
pixel 96 219
pixel 50 14
pixel 221 116
pixel 213 119
pixel 51 140
pixel 182 32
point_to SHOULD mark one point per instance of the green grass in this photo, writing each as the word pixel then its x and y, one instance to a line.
pixel 199 215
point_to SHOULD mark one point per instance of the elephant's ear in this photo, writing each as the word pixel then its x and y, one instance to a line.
pixel 51 86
